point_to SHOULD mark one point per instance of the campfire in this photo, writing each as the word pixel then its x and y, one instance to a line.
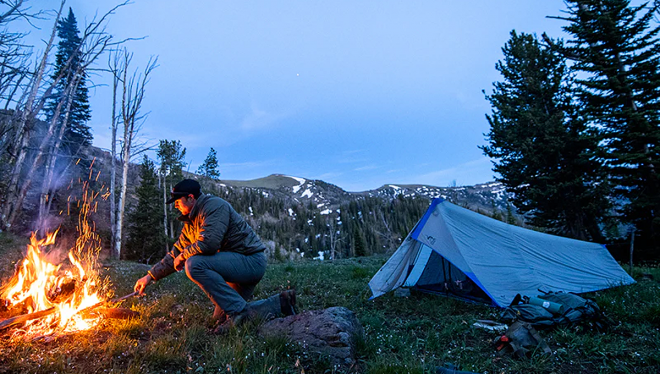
pixel 46 299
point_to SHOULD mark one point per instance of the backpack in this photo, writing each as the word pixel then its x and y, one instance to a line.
pixel 576 310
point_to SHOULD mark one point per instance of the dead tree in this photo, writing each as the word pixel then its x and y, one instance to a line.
pixel 114 65
pixel 28 113
pixel 15 72
pixel 162 177
pixel 334 237
pixel 14 56
pixel 94 43
pixel 132 91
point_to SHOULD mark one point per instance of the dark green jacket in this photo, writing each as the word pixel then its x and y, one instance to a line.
pixel 212 226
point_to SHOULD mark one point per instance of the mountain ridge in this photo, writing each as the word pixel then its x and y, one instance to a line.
pixel 483 196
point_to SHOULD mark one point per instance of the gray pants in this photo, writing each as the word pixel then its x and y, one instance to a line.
pixel 227 278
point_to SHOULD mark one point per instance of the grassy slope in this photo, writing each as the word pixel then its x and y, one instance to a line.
pixel 271 181
pixel 403 335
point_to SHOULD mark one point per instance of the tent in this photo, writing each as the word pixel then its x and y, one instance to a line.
pixel 457 252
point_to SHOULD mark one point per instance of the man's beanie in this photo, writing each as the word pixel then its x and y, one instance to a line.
pixel 184 188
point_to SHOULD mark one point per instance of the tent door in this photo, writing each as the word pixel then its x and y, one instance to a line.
pixel 433 273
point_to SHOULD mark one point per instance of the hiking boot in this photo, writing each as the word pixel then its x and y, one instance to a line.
pixel 219 314
pixel 288 302
pixel 231 322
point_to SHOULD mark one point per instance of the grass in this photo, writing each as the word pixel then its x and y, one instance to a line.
pixel 402 335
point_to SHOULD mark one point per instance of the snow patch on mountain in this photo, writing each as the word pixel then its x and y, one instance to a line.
pixel 307 193
pixel 300 181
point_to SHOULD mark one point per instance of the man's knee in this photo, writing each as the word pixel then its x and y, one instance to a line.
pixel 195 266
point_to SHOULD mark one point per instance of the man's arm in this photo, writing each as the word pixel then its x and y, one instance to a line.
pixel 212 232
pixel 165 266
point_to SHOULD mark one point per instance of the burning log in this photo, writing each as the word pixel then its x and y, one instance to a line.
pixel 26 317
pixel 113 313
pixel 62 292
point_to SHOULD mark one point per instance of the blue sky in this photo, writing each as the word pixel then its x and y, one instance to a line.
pixel 358 94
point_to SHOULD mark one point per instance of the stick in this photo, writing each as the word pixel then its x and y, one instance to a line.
pixel 26 317
pixel 115 300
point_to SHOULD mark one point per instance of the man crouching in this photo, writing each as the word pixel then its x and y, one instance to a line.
pixel 222 255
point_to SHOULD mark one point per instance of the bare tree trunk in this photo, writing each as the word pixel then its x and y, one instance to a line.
pixel 114 66
pixel 93 43
pixel 23 131
pixel 171 228
pixel 169 207
pixel 43 151
pixel 126 155
pixel 45 195
pixel 167 245
pixel 133 89
pixel 333 238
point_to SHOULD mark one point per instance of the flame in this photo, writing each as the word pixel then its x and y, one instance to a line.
pixel 39 284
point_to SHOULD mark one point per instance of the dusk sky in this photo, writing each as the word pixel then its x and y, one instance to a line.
pixel 358 94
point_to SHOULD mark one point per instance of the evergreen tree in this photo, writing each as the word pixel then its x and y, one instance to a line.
pixel 210 166
pixel 171 155
pixel 146 239
pixel 359 243
pixel 543 149
pixel 616 48
pixel 67 63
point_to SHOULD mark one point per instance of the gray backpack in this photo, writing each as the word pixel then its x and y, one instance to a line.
pixel 576 310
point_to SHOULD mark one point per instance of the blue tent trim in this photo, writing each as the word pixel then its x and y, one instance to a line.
pixel 476 281
pixel 427 215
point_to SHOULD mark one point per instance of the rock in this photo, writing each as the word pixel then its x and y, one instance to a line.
pixel 331 332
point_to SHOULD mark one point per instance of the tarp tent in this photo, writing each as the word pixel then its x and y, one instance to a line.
pixel 461 253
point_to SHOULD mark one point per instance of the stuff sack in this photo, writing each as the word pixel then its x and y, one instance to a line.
pixel 521 339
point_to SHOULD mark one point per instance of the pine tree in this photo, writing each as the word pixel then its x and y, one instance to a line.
pixel 67 61
pixel 543 149
pixel 616 48
pixel 210 166
pixel 359 243
pixel 171 155
pixel 146 239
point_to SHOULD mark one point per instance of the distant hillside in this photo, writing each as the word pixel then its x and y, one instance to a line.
pixel 487 197
pixel 301 217
pixel 307 218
